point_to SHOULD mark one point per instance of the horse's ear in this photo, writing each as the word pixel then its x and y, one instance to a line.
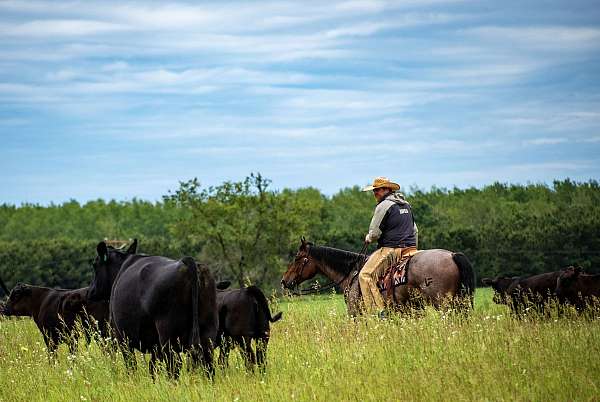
pixel 133 248
pixel 102 251
pixel 302 243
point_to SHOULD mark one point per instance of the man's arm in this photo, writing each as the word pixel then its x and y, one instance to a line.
pixel 378 215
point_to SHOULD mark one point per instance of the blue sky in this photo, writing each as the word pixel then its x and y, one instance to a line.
pixel 117 100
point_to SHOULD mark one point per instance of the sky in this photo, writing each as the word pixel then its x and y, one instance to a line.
pixel 122 100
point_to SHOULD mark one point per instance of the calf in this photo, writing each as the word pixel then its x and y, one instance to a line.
pixel 244 316
pixel 94 315
pixel 577 288
pixel 502 286
pixel 47 308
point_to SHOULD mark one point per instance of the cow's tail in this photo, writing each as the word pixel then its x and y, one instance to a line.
pixel 263 303
pixel 467 276
pixel 193 270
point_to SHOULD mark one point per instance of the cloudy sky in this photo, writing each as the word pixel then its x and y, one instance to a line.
pixel 121 99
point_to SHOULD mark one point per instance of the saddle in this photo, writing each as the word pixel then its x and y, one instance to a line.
pixel 396 274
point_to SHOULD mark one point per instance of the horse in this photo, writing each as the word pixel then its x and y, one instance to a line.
pixel 433 276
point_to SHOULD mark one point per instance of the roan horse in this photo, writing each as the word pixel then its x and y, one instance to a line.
pixel 433 276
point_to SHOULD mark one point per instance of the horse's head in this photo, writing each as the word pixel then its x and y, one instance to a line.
pixel 106 265
pixel 302 268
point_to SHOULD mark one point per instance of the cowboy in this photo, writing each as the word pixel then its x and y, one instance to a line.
pixel 394 228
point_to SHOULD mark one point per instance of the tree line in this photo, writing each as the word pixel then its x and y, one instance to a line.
pixel 247 232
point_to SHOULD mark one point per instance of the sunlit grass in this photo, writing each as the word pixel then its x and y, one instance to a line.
pixel 317 352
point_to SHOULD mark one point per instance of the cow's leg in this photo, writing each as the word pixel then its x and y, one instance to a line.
pixel 155 357
pixel 261 353
pixel 172 359
pixel 207 356
pixel 51 340
pixel 224 348
pixel 248 353
pixel 128 356
pixel 169 344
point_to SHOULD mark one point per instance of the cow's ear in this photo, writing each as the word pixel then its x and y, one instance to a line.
pixel 486 281
pixel 133 248
pixel 577 271
pixel 302 243
pixel 222 285
pixel 102 251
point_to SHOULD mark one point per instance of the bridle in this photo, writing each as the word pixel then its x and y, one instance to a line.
pixel 331 284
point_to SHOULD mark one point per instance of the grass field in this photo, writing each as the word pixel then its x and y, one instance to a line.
pixel 317 353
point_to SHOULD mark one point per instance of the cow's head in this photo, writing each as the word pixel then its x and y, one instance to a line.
pixel 502 286
pixel 566 279
pixel 302 268
pixel 19 301
pixel 106 266
pixel 72 304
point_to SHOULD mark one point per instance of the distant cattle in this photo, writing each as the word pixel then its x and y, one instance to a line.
pixel 244 316
pixel 158 305
pixel 53 312
pixel 577 288
pixel 520 293
pixel 502 286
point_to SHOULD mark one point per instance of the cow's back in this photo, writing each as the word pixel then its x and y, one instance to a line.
pixel 542 284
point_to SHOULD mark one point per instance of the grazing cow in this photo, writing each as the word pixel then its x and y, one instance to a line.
pixel 244 316
pixel 158 305
pixel 501 286
pixel 577 288
pixel 47 308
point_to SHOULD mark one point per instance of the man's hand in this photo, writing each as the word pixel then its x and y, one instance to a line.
pixel 367 239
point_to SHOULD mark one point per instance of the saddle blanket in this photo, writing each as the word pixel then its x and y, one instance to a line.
pixel 396 274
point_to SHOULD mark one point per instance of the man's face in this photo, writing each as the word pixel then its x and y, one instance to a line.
pixel 380 193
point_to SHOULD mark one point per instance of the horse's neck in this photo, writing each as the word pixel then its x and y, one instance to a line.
pixel 332 274
pixel 341 275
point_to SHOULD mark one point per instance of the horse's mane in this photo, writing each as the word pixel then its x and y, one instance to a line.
pixel 340 260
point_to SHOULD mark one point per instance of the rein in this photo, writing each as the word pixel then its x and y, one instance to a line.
pixel 331 284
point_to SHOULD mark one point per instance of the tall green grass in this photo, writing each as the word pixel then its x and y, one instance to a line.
pixel 317 353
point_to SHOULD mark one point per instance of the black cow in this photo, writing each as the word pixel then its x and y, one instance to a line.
pixel 502 286
pixel 534 291
pixel 158 305
pixel 52 312
pixel 577 288
pixel 244 315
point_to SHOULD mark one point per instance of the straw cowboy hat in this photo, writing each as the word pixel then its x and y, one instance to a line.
pixel 380 182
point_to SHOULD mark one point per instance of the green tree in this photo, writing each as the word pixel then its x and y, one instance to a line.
pixel 244 228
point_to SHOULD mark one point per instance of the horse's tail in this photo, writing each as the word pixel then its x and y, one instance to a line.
pixel 467 276
pixel 193 271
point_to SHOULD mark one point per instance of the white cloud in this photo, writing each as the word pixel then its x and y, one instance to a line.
pixel 53 28
pixel 545 141
pixel 560 38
